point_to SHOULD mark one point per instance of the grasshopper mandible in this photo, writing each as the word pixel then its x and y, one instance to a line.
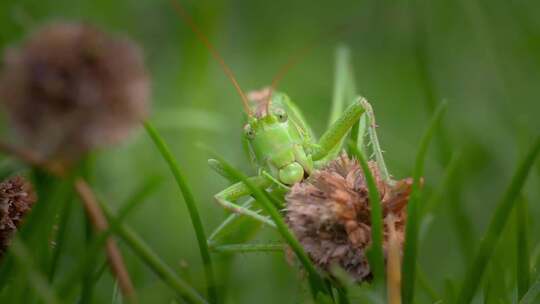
pixel 280 142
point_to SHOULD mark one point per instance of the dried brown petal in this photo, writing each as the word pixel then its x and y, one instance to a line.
pixel 330 215
pixel 16 199
pixel 70 88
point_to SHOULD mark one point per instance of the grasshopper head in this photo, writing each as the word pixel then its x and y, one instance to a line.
pixel 273 139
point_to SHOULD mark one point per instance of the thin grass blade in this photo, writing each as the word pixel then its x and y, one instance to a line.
pixel 522 244
pixel 413 220
pixel 60 238
pixel 532 293
pixel 192 208
pixel 474 274
pixel 38 281
pixel 375 253
pixel 317 284
pixel 150 258
pixel 246 248
pixel 85 263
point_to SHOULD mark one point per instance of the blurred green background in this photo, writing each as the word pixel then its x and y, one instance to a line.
pixel 483 57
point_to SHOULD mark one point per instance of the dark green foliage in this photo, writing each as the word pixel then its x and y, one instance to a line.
pixel 474 274
pixel 413 214
pixel 192 207
pixel 482 56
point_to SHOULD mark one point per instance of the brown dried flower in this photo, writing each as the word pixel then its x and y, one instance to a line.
pixel 16 199
pixel 70 88
pixel 330 215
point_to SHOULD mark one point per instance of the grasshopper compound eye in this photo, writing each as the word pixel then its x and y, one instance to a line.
pixel 249 131
pixel 281 115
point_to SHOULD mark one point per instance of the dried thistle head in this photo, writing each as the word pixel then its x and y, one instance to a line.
pixel 70 88
pixel 330 215
pixel 16 199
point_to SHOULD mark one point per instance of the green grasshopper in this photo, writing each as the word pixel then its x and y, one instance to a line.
pixel 283 147
pixel 280 142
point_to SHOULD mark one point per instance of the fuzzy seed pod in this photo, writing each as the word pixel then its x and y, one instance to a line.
pixel 330 215
pixel 16 199
pixel 70 88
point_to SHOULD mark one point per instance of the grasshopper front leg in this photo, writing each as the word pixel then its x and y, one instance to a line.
pixel 374 140
pixel 340 123
pixel 227 197
pixel 335 134
pixel 338 130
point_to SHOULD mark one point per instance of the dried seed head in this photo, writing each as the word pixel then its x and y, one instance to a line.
pixel 70 88
pixel 16 199
pixel 330 215
pixel 259 99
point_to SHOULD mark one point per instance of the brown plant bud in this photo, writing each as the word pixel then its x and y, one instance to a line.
pixel 70 88
pixel 16 199
pixel 330 215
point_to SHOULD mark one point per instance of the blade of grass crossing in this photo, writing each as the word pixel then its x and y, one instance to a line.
pixel 375 252
pixel 87 282
pixel 87 260
pixel 411 232
pixel 149 257
pixel 317 284
pixel 522 242
pixel 532 293
pixel 192 208
pixel 60 238
pixel 475 271
pixel 426 286
pixel 142 192
pixel 37 280
pixel 246 248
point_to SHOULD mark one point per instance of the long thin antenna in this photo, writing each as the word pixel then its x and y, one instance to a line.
pixel 296 58
pixel 200 35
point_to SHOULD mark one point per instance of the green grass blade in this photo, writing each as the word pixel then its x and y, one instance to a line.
pixel 192 208
pixel 60 238
pixel 37 280
pixel 522 243
pixel 375 253
pixel 38 225
pixel 86 262
pixel 149 257
pixel 438 194
pixel 245 248
pixel 424 283
pixel 532 293
pixel 87 283
pixel 413 220
pixel 316 282
pixel 474 273
pixel 142 192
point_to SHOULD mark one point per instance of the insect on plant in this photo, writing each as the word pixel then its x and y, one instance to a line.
pixel 279 141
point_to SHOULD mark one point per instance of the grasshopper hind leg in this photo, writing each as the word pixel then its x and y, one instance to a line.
pixel 238 190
